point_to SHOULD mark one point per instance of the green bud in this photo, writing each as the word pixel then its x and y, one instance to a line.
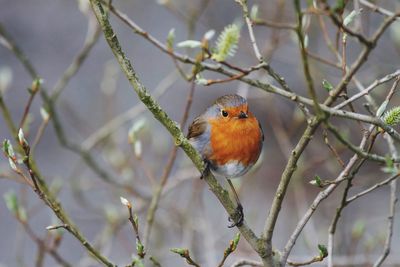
pixel 11 201
pixel 323 252
pixel 183 252
pixel 327 85
pixel 140 249
pixel 171 39
pixel 8 148
pixel 36 85
pixel 236 241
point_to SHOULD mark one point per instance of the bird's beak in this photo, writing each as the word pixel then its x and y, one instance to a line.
pixel 243 115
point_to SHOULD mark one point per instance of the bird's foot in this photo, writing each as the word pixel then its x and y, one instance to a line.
pixel 206 170
pixel 238 221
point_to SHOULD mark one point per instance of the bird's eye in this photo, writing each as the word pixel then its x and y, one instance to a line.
pixel 224 113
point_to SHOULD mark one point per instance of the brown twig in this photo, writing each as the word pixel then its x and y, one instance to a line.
pixel 337 21
pixel 135 226
pixel 372 86
pixel 274 24
pixel 32 93
pixel 342 205
pixel 42 244
pixel 333 150
pixel 376 8
pixel 184 253
pixel 247 263
pixel 243 4
pixel 315 259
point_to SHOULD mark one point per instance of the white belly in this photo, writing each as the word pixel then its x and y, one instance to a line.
pixel 231 169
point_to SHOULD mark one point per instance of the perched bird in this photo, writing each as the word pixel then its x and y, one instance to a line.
pixel 229 137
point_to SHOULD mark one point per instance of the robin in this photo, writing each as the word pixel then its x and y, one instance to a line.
pixel 229 137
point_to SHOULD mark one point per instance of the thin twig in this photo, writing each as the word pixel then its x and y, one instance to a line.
pixel 320 197
pixel 304 59
pixel 343 203
pixel 323 60
pixel 333 150
pixel 41 189
pixel 371 87
pixel 92 36
pixel 41 243
pixel 247 263
pixel 355 149
pixel 392 208
pixel 249 24
pixel 376 8
pixel 274 24
pixel 337 21
pixel 10 44
pixel 359 61
pixel 32 93
pixel 315 259
pixel 374 187
pixel 184 253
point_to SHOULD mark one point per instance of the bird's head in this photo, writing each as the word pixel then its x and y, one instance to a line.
pixel 231 107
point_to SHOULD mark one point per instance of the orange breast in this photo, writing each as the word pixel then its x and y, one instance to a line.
pixel 235 139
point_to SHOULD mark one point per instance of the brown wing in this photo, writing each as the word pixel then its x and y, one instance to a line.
pixel 197 127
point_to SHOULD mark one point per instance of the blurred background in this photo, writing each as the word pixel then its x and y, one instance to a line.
pixel 52 33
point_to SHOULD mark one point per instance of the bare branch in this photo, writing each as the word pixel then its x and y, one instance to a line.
pixel 371 87
pixel 249 24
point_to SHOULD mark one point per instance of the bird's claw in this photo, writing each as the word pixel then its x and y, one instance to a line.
pixel 239 215
pixel 206 170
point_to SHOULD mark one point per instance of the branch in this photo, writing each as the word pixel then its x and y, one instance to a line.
pixel 247 263
pixel 135 225
pixel 355 149
pixel 377 9
pixel 274 24
pixel 343 203
pixel 304 59
pixel 374 187
pixel 359 61
pixel 337 21
pixel 315 259
pixel 367 90
pixel 392 209
pixel 42 244
pixel 184 253
pixel 249 24
pixel 231 248
pixel 91 39
pixel 344 174
pixel 10 44
pixel 41 189
pixel 285 179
